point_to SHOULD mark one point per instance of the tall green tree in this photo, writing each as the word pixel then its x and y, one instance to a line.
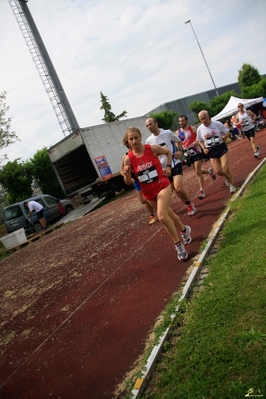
pixel 256 90
pixel 109 116
pixel 7 137
pixel 248 75
pixel 16 179
pixel 44 175
pixel 166 119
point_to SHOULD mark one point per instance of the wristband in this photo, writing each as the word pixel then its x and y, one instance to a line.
pixel 170 166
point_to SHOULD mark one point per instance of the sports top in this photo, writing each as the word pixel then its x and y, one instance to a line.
pixel 211 135
pixel 246 121
pixel 149 172
pixel 168 139
pixel 188 138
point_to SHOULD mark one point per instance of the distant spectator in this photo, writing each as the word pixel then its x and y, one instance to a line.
pixel 237 128
pixel 34 206
pixel 233 130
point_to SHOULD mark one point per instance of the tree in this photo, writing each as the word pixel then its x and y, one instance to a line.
pixel 44 175
pixel 109 116
pixel 256 90
pixel 166 119
pixel 248 76
pixel 7 137
pixel 16 179
pixel 197 106
pixel 214 106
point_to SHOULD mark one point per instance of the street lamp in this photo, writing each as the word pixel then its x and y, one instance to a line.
pixel 189 22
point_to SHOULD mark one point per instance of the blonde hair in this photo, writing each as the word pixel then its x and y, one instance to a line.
pixel 129 130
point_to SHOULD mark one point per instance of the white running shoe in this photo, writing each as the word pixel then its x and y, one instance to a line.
pixel 257 153
pixel 152 219
pixel 212 174
pixel 191 210
pixel 201 194
pixel 232 189
pixel 181 252
pixel 186 235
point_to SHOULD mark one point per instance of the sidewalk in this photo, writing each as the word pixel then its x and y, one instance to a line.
pixel 81 211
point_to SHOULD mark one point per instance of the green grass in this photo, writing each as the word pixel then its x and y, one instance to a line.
pixel 220 350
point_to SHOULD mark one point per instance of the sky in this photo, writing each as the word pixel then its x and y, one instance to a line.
pixel 139 53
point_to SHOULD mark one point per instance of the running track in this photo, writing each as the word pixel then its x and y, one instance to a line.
pixel 77 305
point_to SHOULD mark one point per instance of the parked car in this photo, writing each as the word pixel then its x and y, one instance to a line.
pixel 15 215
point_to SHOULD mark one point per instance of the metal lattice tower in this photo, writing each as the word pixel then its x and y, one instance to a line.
pixel 43 63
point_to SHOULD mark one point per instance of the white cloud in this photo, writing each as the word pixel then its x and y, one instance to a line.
pixel 139 53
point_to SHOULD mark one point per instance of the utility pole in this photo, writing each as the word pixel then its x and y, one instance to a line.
pixel 189 22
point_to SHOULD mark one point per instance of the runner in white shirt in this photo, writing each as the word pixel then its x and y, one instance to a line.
pixel 212 136
pixel 247 119
pixel 168 138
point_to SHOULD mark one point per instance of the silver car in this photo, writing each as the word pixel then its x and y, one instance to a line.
pixel 15 215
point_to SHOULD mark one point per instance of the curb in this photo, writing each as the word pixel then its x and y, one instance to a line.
pixel 146 373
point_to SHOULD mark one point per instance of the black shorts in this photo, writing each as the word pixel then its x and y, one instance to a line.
pixel 40 214
pixel 176 170
pixel 194 158
pixel 218 151
pixel 250 133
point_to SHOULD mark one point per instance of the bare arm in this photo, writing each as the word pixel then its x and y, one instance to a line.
pixel 179 147
pixel 252 115
pixel 122 166
pixel 194 129
pixel 201 144
pixel 127 170
pixel 158 150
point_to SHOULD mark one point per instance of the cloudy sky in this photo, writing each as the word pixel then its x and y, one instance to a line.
pixel 139 53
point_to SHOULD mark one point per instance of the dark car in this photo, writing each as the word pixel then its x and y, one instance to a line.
pixel 15 215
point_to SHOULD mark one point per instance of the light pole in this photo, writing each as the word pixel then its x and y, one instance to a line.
pixel 189 22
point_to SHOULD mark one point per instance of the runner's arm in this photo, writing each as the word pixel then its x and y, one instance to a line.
pixel 252 115
pixel 127 171
pixel 158 150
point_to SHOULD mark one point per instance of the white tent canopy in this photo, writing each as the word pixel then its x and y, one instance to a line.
pixel 231 106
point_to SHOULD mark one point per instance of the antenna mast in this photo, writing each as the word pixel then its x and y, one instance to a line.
pixel 43 63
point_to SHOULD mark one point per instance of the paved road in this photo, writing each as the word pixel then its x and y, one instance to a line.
pixel 77 305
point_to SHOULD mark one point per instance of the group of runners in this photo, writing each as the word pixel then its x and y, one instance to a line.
pixel 155 168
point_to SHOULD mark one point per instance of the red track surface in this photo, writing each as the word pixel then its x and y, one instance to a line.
pixel 78 304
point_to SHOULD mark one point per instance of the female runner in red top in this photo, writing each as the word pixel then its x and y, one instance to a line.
pixel 155 185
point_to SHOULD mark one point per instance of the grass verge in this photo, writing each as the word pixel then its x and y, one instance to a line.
pixel 220 350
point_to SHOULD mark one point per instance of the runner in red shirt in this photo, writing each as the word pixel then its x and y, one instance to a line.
pixel 143 161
